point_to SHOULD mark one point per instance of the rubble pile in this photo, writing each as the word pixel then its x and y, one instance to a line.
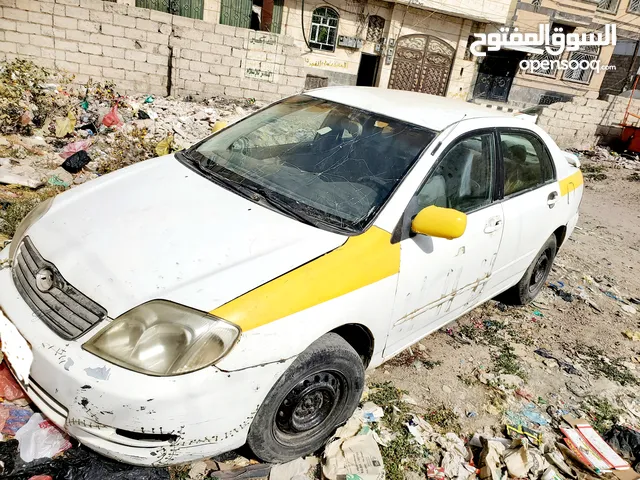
pixel 610 158
pixel 54 134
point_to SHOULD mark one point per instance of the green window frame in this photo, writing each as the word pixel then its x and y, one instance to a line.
pixel 184 8
pixel 237 13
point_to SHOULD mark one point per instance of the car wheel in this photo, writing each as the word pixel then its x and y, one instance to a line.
pixel 534 278
pixel 318 392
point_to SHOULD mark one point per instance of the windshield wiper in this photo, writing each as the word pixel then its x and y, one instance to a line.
pixel 280 205
pixel 252 192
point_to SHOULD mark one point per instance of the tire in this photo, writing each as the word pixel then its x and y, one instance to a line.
pixel 319 391
pixel 534 278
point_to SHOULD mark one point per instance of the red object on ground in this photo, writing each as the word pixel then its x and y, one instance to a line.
pixel 4 415
pixel 631 137
pixel 111 119
pixel 41 477
pixel 9 388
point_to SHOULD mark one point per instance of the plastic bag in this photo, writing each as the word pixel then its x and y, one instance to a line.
pixel 66 125
pixel 112 119
pixel 76 162
pixel 9 388
pixel 219 125
pixel 40 438
pixel 18 417
pixel 164 146
pixel 74 147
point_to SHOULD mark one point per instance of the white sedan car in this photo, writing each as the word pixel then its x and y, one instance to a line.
pixel 236 292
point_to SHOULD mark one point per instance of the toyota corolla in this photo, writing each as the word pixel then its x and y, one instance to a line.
pixel 235 292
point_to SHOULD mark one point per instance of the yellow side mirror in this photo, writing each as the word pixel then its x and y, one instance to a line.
pixel 440 222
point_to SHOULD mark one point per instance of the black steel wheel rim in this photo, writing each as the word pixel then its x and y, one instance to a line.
pixel 543 264
pixel 309 404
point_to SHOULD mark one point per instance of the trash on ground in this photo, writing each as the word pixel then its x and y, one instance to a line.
pixel 9 388
pixel 75 147
pixel 297 469
pixel 566 366
pixel 112 119
pixel 66 125
pixel 16 418
pixel 76 162
pixel 40 438
pixel 358 455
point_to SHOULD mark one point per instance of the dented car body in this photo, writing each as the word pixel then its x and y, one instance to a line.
pixel 158 312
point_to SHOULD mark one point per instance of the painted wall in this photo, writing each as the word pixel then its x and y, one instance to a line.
pixel 495 11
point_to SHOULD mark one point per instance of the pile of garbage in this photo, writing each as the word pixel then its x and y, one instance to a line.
pixel 55 134
pixel 611 158
pixel 396 443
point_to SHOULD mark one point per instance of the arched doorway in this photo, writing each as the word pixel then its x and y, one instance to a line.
pixel 422 63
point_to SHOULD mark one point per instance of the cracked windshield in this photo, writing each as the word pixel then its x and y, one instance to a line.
pixel 328 163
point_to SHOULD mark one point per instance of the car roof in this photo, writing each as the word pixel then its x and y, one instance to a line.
pixel 430 111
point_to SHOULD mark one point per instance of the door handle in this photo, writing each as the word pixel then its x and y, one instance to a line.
pixel 493 224
pixel 552 199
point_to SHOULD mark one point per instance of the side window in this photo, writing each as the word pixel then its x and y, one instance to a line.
pixel 463 178
pixel 526 162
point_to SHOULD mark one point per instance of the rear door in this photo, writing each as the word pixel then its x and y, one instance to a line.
pixel 530 206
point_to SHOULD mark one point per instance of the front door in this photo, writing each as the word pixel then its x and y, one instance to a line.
pixel 422 63
pixel 368 70
pixel 495 75
pixel 439 279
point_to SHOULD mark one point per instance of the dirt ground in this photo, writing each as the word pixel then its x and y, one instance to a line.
pixel 603 255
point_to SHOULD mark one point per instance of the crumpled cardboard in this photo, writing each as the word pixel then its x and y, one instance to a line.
pixel 356 458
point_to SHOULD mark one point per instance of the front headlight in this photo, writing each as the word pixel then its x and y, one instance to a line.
pixel 32 217
pixel 163 338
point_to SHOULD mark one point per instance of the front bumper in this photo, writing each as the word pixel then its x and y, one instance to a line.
pixel 173 419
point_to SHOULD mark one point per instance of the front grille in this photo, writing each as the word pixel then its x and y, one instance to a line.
pixel 62 308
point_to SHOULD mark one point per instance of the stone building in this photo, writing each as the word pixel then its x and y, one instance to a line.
pixel 405 44
pixel 500 79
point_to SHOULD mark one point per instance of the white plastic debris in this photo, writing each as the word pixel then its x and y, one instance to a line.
pixel 297 469
pixel 371 412
pixel 39 438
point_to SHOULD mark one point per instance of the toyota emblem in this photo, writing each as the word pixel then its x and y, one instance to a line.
pixel 44 280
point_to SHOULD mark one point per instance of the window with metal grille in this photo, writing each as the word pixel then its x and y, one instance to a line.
pixel 550 71
pixel 634 6
pixel 184 8
pixel 586 54
pixel 609 6
pixel 324 28
pixel 249 14
pixel 375 28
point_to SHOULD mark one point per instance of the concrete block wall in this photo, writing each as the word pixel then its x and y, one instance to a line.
pixel 584 120
pixel 146 51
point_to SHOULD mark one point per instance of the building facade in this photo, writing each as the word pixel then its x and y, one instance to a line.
pixel 419 45
pixel 500 79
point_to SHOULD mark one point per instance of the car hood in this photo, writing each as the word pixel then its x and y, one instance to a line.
pixel 158 230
